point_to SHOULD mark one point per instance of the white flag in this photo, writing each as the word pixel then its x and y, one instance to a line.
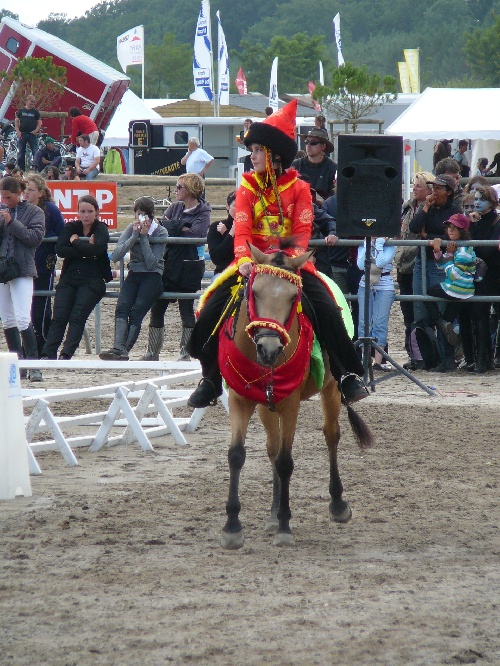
pixel 202 59
pixel 223 66
pixel 273 86
pixel 321 75
pixel 130 47
pixel 336 28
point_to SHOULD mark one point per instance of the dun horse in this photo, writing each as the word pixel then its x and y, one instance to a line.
pixel 264 355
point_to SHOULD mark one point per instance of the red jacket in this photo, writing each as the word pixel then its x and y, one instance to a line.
pixel 263 228
pixel 82 125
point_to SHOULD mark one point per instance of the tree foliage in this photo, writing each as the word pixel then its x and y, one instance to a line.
pixel 482 49
pixel 168 71
pixel 298 59
pixel 355 93
pixel 38 77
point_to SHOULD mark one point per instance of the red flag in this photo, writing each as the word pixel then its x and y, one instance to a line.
pixel 241 82
pixel 311 86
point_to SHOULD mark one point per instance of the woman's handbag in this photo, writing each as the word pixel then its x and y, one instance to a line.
pixel 9 269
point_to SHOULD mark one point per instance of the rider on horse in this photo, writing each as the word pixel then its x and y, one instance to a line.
pixel 272 203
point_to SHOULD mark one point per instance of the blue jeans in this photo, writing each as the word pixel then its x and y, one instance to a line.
pixel 26 138
pixel 434 275
pixel 92 175
pixel 381 301
pixel 138 294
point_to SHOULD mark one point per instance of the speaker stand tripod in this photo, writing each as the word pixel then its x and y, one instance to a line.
pixel 368 343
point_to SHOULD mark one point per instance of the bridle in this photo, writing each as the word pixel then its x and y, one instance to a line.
pixel 272 327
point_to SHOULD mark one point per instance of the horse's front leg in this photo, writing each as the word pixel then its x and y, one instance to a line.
pixel 240 413
pixel 340 511
pixel 284 468
pixel 271 422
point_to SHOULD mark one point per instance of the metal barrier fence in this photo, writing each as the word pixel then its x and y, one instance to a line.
pixel 342 242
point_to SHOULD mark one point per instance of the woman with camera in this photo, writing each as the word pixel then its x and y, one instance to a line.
pixel 143 284
pixel 22 226
pixel 188 217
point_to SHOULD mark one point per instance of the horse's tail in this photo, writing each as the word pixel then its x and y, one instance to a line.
pixel 362 432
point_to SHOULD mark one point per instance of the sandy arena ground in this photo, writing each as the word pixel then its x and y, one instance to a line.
pixel 117 561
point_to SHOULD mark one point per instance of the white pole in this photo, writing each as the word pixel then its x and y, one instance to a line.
pixel 14 466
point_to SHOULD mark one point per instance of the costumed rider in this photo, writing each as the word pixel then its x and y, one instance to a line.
pixel 272 203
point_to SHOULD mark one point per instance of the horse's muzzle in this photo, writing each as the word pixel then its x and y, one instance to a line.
pixel 269 347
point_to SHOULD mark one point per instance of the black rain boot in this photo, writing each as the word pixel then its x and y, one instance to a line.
pixel 14 345
pixel 496 359
pixel 483 346
pixel 31 350
pixel 118 351
pixel 208 390
pixel 156 336
pixel 133 334
pixel 186 334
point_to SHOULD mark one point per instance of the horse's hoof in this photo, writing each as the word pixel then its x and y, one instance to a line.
pixel 272 526
pixel 232 540
pixel 284 539
pixel 343 516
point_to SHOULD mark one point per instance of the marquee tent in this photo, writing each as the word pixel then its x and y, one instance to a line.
pixel 454 113
pixel 130 108
pixel 448 113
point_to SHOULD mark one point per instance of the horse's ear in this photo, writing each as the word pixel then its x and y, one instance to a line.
pixel 258 256
pixel 297 262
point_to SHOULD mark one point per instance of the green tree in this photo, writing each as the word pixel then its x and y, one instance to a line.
pixel 298 59
pixel 355 93
pixel 482 50
pixel 38 77
pixel 169 69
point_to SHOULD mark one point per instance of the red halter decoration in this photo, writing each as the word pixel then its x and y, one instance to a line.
pixel 272 324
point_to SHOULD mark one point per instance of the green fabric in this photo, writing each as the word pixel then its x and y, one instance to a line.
pixel 342 303
pixel 317 368
pixel 112 162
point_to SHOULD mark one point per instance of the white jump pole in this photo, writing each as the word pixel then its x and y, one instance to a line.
pixel 14 466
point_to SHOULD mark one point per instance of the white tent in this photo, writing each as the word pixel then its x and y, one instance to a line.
pixel 130 108
pixel 454 113
pixel 448 113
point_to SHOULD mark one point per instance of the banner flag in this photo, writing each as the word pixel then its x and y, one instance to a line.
pixel 404 77
pixel 130 47
pixel 241 82
pixel 273 86
pixel 311 86
pixel 321 75
pixel 202 59
pixel 336 29
pixel 223 65
pixel 412 60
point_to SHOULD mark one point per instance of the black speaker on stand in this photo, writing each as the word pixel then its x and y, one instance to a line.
pixel 369 203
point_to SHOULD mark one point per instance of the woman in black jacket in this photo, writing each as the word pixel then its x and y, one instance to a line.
pixel 220 238
pixel 82 284
pixel 22 226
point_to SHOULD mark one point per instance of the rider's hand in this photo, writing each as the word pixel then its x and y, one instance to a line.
pixel 245 269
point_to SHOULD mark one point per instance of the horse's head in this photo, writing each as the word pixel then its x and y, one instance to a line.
pixel 274 293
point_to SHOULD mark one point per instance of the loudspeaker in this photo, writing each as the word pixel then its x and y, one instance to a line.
pixel 369 185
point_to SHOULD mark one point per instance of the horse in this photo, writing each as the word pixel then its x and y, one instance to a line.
pixel 264 356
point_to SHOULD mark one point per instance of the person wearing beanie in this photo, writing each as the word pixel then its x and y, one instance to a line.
pixel 273 204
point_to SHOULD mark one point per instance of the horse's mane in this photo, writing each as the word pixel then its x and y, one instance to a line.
pixel 285 244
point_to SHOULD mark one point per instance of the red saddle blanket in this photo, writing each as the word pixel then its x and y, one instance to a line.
pixel 250 380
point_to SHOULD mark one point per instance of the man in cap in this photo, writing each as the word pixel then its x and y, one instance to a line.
pixel 47 156
pixel 450 167
pixel 320 169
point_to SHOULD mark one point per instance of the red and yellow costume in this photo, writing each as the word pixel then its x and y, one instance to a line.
pixel 258 214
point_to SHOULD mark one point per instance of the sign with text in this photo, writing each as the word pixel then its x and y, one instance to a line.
pixel 66 193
